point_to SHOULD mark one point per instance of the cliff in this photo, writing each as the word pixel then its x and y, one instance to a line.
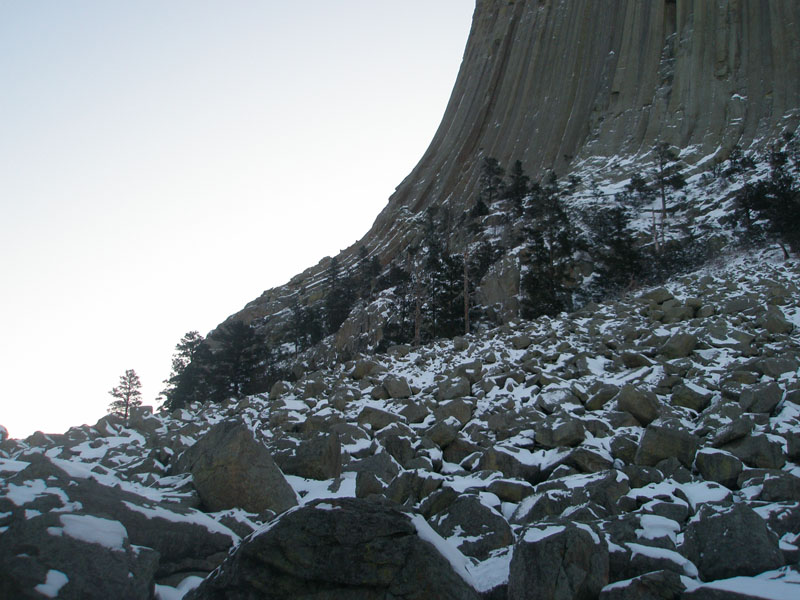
pixel 557 84
pixel 587 86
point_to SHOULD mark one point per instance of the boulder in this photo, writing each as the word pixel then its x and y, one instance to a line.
pixel 339 548
pixel 396 386
pixel 776 322
pixel 759 451
pixel 679 345
pixel 455 386
pixel 730 541
pixel 761 397
pixel 717 465
pixel 317 458
pixel 559 430
pixel 230 468
pixel 473 527
pixel 663 441
pixel 558 562
pixel 376 418
pixel 656 585
pixel 691 396
pixel 181 536
pixel 459 408
pixel 75 557
pixel 643 405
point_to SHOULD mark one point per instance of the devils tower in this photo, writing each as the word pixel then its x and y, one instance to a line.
pixel 570 86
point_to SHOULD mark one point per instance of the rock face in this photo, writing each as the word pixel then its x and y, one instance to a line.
pixel 569 85
pixel 337 549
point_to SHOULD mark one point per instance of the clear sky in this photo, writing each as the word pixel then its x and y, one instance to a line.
pixel 162 162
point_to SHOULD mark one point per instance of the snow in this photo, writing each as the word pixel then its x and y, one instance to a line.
pixel 194 517
pixel 166 592
pixel 664 554
pixel 701 492
pixel 94 530
pixel 655 527
pixel 54 581
pixel 460 563
pixel 12 466
pixel 535 534
pixel 756 587
pixel 308 490
pixel 32 489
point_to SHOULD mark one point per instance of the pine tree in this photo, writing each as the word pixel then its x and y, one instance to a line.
pixel 127 395
pixel 238 361
pixel 186 382
pixel 551 249
pixel 491 180
pixel 518 185
pixel 619 261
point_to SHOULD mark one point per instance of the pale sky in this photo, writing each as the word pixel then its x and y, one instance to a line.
pixel 163 162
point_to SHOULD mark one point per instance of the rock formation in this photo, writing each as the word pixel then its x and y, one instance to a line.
pixel 580 86
pixel 640 446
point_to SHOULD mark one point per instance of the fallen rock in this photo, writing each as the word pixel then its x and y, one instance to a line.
pixel 731 541
pixel 679 345
pixel 396 386
pixel 643 405
pixel 474 528
pixel 75 557
pixel 719 466
pixel 339 548
pixel 230 468
pixel 656 585
pixel 558 562
pixel 664 441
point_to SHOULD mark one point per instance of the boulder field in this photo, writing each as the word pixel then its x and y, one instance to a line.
pixel 647 447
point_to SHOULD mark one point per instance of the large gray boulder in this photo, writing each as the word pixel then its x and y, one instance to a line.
pixel 230 469
pixel 664 441
pixel 74 557
pixel 643 405
pixel 730 542
pixel 319 457
pixel 339 549
pixel 558 562
pixel 183 538
pixel 474 527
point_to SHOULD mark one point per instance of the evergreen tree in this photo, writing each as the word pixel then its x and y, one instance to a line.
pixel 772 206
pixel 186 382
pixel 340 297
pixel 491 181
pixel 305 327
pixel 551 247
pixel 238 361
pixel 619 261
pixel 126 395
pixel 518 186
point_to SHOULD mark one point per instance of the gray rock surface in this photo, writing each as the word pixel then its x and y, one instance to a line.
pixel 558 562
pixel 337 549
pixel 230 468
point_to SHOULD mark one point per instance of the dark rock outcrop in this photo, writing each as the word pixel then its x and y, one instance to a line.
pixel 337 549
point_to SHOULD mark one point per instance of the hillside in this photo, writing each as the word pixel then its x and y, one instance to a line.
pixel 633 431
pixel 563 364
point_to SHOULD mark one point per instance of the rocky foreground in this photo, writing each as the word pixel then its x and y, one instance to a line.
pixel 643 448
